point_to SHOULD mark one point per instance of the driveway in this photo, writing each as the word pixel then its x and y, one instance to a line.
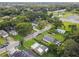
pixel 11 45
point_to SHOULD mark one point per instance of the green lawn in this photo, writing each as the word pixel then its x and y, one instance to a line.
pixel 66 14
pixel 2 41
pixel 59 37
pixel 17 37
pixel 66 24
pixel 27 44
pixel 5 54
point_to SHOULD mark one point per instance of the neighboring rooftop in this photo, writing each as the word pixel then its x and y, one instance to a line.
pixel 60 31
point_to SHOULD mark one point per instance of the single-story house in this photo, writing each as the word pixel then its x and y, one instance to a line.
pixel 51 40
pixel 13 32
pixel 60 31
pixel 3 33
pixel 38 48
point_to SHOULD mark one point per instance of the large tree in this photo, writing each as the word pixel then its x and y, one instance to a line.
pixel 55 21
pixel 69 48
pixel 75 36
pixel 42 24
pixel 24 28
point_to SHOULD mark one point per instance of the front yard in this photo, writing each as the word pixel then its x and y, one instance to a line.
pixel 67 28
pixel 2 41
pixel 4 54
pixel 17 37
pixel 27 44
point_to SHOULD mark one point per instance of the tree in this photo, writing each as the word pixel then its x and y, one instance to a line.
pixel 24 28
pixel 4 24
pixel 76 11
pixel 67 35
pixel 50 15
pixel 57 22
pixel 73 28
pixel 69 48
pixel 75 36
pixel 42 24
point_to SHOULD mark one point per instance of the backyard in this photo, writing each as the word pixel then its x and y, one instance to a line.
pixel 4 54
pixel 67 28
pixel 2 41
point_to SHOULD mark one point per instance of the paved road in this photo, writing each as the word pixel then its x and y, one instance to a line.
pixel 11 45
pixel 69 20
pixel 37 33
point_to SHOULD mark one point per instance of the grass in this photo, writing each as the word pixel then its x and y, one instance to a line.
pixel 66 24
pixel 59 37
pixel 27 44
pixel 17 37
pixel 66 14
pixel 4 54
pixel 2 41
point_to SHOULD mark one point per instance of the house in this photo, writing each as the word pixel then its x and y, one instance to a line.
pixel 60 31
pixel 38 48
pixel 51 40
pixel 13 32
pixel 22 53
pixel 3 33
